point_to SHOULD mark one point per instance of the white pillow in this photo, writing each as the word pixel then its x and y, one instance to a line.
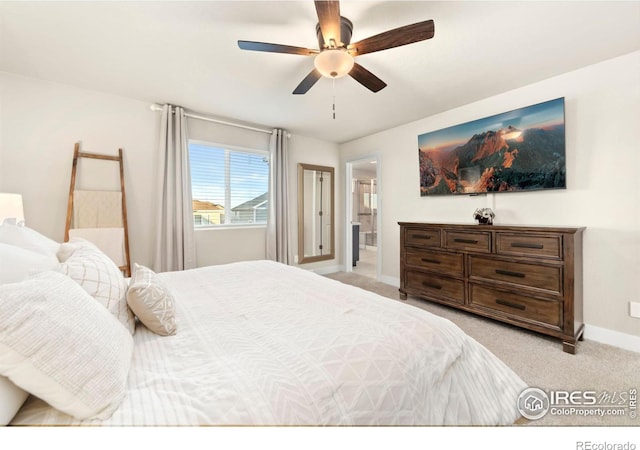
pixel 151 301
pixel 27 238
pixel 16 263
pixel 11 399
pixel 99 276
pixel 61 346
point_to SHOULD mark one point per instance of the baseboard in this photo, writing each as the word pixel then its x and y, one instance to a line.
pixel 393 281
pixel 611 337
pixel 326 270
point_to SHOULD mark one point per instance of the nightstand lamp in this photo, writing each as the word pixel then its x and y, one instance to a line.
pixel 11 208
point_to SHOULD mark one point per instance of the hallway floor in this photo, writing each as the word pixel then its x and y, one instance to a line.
pixel 366 266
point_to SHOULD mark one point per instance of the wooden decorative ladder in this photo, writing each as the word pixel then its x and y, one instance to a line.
pixel 77 154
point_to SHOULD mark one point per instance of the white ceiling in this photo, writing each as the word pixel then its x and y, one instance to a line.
pixel 186 53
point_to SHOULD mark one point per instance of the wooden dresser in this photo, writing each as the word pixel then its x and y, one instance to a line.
pixel 530 277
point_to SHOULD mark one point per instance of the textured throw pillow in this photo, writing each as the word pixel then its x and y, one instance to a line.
pixel 61 346
pixel 99 276
pixel 150 300
pixel 17 263
pixel 27 238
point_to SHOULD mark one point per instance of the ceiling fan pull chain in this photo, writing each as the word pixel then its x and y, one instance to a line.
pixel 334 99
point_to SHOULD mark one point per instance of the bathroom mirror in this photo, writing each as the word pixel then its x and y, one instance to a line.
pixel 316 239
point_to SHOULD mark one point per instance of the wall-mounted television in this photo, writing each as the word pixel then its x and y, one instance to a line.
pixel 519 150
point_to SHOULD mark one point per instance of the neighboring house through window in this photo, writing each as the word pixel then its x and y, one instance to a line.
pixel 229 185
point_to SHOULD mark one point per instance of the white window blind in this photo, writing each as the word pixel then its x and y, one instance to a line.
pixel 229 186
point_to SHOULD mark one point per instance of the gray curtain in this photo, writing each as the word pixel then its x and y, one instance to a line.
pixel 175 247
pixel 278 219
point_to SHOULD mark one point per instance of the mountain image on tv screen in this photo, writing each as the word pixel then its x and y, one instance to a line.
pixel 519 150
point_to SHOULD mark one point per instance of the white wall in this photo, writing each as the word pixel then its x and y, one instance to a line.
pixel 602 106
pixel 39 123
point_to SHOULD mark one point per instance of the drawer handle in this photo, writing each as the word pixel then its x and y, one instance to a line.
pixel 510 274
pixel 466 241
pixel 510 304
pixel 432 261
pixel 526 245
pixel 433 286
pixel 420 236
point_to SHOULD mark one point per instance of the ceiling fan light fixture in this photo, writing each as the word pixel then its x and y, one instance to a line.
pixel 335 54
pixel 334 62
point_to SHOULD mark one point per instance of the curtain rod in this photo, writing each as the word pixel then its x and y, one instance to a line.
pixel 156 107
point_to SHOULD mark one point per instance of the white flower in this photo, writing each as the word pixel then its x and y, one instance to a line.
pixel 484 213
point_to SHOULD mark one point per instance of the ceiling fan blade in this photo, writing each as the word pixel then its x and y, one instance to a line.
pixel 394 38
pixel 329 20
pixel 275 48
pixel 308 82
pixel 366 78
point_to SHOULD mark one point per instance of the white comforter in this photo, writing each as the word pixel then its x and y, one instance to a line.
pixel 260 343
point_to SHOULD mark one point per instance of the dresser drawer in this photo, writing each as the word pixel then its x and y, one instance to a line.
pixel 514 305
pixel 422 237
pixel 450 263
pixel 548 278
pixel 435 286
pixel 529 245
pixel 470 241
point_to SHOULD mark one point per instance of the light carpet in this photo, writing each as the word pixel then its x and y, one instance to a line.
pixel 539 360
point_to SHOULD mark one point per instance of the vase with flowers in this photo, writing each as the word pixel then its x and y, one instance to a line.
pixel 484 216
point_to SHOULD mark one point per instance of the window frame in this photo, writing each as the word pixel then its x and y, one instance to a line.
pixel 255 151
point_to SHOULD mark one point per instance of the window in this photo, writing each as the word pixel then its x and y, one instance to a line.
pixel 229 186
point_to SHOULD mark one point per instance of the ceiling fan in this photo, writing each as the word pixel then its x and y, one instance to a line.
pixel 335 57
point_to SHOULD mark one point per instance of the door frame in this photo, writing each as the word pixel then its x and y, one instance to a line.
pixel 348 201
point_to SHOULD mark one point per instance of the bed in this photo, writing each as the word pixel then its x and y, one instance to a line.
pixel 261 343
